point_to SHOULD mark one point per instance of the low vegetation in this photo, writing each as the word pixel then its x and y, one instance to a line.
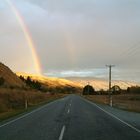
pixel 126 100
pixel 50 85
pixel 134 89
pixel 16 101
pixel 20 93
pixel 31 83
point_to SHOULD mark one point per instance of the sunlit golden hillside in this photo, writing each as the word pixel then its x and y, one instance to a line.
pixel 50 81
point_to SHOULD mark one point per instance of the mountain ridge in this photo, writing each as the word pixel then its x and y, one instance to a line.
pixel 99 83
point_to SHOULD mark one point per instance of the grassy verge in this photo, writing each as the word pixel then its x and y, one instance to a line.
pixel 129 102
pixel 11 113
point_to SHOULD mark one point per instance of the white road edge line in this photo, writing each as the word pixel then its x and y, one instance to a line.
pixel 129 125
pixel 62 133
pixel 23 116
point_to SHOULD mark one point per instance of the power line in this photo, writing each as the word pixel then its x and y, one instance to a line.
pixel 131 50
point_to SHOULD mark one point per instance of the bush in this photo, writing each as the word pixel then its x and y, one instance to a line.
pixel 134 89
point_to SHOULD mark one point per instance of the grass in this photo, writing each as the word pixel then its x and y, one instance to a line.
pixel 16 112
pixel 129 102
pixel 12 102
pixel 9 114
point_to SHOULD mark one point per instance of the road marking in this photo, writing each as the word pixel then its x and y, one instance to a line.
pixel 70 104
pixel 23 116
pixel 129 125
pixel 62 133
pixel 68 111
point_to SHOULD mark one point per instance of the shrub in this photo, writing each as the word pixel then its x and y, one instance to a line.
pixel 134 89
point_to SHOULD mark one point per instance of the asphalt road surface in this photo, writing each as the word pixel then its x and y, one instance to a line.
pixel 70 118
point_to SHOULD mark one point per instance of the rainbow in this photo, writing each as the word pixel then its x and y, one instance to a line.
pixel 69 43
pixel 28 37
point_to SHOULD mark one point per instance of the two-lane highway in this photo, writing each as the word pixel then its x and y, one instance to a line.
pixel 70 118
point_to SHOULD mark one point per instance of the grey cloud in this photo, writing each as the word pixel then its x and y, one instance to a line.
pixel 79 34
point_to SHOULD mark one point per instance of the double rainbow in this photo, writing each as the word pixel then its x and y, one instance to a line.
pixel 27 35
pixel 68 40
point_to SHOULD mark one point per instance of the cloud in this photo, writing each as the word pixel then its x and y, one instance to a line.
pixel 79 73
pixel 74 35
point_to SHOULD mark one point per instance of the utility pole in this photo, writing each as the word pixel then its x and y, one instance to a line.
pixel 110 95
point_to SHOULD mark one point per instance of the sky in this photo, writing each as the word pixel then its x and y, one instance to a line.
pixel 73 37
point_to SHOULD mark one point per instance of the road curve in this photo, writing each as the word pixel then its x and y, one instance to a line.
pixel 70 118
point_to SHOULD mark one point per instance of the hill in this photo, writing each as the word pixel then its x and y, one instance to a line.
pixel 10 78
pixel 54 84
pixel 99 84
pixel 16 96
pixel 78 82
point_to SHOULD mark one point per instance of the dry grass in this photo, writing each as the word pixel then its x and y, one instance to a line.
pixel 129 102
pixel 12 102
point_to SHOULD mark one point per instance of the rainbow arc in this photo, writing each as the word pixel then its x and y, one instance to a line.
pixel 27 36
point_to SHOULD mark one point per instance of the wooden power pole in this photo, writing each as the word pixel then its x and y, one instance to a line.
pixel 110 94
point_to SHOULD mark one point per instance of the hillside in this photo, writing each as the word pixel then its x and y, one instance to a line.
pixel 10 78
pixel 16 96
pixel 78 82
pixel 99 84
pixel 51 82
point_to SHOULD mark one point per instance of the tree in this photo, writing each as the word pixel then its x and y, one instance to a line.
pixel 31 83
pixel 116 89
pixel 22 78
pixel 88 90
pixel 36 85
pixel 128 89
pixel 28 81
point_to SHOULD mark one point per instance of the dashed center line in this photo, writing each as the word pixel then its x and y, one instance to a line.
pixel 62 132
pixel 63 128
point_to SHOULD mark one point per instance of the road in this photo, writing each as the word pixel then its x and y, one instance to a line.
pixel 70 118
